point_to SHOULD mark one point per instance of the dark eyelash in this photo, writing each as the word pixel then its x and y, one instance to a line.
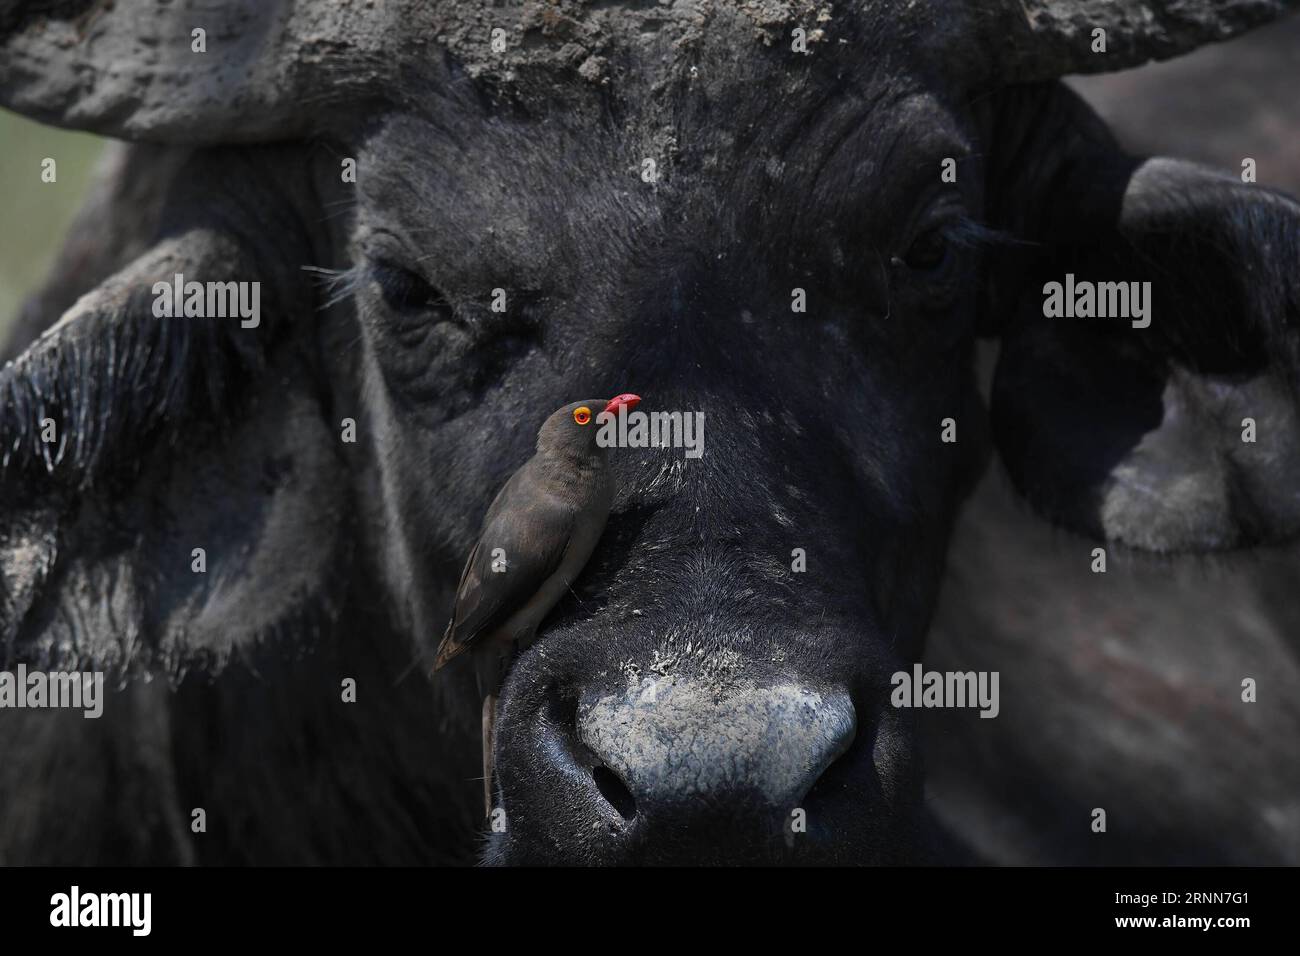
pixel 404 290
pixel 962 232
pixel 966 233
pixel 338 284
pixel 341 284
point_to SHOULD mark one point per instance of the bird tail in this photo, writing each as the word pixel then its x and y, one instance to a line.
pixel 448 649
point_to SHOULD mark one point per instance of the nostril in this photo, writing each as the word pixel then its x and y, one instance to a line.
pixel 833 776
pixel 562 711
pixel 614 791
pixel 559 726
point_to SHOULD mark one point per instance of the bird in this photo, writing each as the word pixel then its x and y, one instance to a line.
pixel 535 540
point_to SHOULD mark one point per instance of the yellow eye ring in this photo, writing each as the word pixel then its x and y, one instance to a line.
pixel 582 414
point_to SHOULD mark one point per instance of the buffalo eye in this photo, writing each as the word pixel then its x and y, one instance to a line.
pixel 930 253
pixel 405 291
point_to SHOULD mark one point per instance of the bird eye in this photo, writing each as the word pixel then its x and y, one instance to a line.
pixel 582 414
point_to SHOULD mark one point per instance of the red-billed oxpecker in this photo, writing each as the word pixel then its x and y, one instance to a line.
pixel 538 534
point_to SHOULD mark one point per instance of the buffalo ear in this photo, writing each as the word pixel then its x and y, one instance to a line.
pixel 1182 435
pixel 171 490
pixel 216 544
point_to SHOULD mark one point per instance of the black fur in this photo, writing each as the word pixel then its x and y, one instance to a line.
pixel 823 433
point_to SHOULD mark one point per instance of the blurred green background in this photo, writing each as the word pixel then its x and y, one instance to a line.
pixel 33 214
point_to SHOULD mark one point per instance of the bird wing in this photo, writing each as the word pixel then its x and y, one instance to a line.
pixel 534 531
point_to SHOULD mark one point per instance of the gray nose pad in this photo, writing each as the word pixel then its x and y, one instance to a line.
pixel 677 747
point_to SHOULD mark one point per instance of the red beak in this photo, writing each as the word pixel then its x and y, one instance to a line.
pixel 626 400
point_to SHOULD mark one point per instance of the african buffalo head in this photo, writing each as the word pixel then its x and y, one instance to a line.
pixel 795 218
